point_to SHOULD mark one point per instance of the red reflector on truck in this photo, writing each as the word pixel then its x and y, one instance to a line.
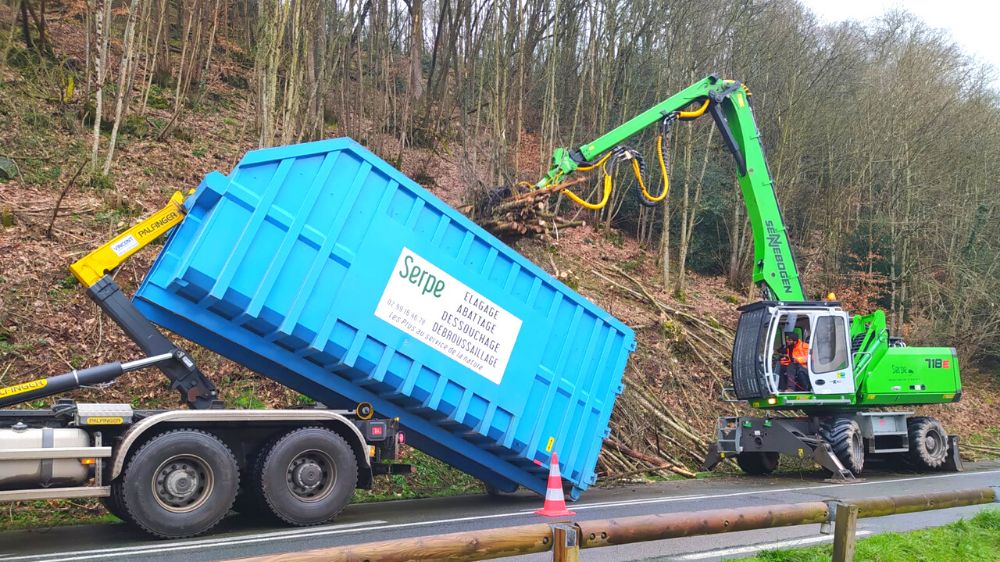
pixel 377 430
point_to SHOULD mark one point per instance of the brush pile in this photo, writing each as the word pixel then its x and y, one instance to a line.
pixel 519 211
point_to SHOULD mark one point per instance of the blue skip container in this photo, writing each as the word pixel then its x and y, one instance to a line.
pixel 324 268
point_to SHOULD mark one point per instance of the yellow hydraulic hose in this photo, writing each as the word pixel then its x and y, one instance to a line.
pixel 635 170
pixel 595 164
pixel 663 173
pixel 593 206
pixel 693 114
pixel 607 186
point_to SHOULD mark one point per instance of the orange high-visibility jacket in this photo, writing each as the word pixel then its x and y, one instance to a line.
pixel 799 354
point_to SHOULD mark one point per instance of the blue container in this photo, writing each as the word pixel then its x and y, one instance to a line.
pixel 326 269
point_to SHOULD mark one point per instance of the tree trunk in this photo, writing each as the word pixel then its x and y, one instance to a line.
pixel 151 67
pixel 416 85
pixel 102 24
pixel 25 27
pixel 690 219
pixel 125 73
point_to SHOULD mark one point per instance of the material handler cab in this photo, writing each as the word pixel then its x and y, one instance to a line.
pixel 760 358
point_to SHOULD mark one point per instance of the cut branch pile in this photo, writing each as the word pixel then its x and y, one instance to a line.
pixel 647 436
pixel 977 452
pixel 509 214
pixel 709 341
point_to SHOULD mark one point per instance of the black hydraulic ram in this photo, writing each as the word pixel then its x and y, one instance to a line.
pixel 40 388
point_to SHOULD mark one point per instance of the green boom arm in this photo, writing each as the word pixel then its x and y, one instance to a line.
pixel 729 105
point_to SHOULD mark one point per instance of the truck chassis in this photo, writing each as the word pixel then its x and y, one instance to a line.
pixel 176 473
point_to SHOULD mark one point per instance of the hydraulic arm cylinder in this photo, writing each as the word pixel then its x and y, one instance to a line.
pixel 40 388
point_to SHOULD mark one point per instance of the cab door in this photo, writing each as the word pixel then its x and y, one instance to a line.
pixel 830 369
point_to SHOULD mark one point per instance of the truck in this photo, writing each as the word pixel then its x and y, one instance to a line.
pixel 836 390
pixel 323 268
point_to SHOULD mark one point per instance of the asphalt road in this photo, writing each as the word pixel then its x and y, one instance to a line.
pixel 237 538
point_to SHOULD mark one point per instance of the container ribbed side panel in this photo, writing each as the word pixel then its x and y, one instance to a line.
pixel 324 268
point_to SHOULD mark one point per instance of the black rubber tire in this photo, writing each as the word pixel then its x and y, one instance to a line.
pixel 114 503
pixel 203 453
pixel 326 450
pixel 844 437
pixel 928 442
pixel 757 463
pixel 249 501
pixel 494 492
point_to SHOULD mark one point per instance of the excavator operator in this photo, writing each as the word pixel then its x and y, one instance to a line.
pixel 794 364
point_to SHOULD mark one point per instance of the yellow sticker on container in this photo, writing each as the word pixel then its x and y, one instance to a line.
pixel 103 420
pixel 548 446
pixel 23 387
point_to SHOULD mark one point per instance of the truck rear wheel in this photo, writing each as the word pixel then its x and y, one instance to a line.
pixel 114 504
pixel 307 476
pixel 928 442
pixel 757 463
pixel 179 484
pixel 844 437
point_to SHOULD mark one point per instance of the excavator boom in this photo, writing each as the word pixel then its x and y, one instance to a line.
pixel 728 102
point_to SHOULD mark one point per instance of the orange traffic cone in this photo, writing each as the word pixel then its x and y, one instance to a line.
pixel 555 503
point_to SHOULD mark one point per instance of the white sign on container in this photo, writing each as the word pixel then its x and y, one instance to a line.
pixel 441 311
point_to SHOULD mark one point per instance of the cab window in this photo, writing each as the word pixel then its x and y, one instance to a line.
pixel 829 345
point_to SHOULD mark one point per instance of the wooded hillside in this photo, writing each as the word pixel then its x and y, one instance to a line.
pixel 883 139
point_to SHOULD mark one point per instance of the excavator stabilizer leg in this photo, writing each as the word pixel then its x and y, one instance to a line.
pixel 954 462
pixel 713 458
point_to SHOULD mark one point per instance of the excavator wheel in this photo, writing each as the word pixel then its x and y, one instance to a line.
pixel 928 442
pixel 844 437
pixel 757 463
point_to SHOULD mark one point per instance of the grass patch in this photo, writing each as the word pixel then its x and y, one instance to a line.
pixel 977 539
pixel 42 514
pixel 432 479
pixel 157 99
pixel 989 437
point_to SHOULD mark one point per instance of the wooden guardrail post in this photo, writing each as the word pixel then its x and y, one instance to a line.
pixel 565 543
pixel 844 532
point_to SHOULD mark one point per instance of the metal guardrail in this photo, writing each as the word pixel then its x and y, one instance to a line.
pixel 566 539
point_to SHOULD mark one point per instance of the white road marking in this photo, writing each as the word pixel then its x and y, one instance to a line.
pixel 288 533
pixel 758 547
pixel 619 503
pixel 225 541
pixel 376 525
pixel 767 491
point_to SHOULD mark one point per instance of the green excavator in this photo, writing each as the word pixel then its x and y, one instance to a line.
pixel 841 371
